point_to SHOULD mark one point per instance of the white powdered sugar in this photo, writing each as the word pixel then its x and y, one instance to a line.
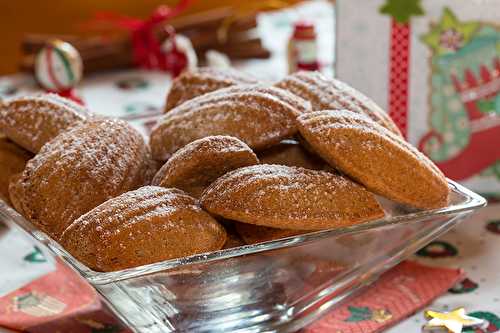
pixel 256 115
pixel 80 169
pixel 32 121
pixel 281 196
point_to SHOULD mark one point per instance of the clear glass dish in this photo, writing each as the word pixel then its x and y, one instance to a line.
pixel 277 286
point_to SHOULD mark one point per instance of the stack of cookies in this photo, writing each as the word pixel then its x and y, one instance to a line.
pixel 233 161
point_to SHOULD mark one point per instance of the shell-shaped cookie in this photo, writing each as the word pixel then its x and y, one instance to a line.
pixel 140 227
pixel 331 94
pixel 196 165
pixel 203 80
pixel 290 198
pixel 32 121
pixel 259 116
pixel 375 157
pixel 12 161
pixel 78 170
pixel 291 153
pixel 253 234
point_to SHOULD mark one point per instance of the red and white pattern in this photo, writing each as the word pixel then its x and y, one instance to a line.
pixel 399 74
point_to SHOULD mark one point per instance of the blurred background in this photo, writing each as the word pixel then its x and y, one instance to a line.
pixel 64 16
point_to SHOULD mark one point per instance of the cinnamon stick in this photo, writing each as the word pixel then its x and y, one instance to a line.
pixel 257 53
pixel 189 25
pixel 34 43
pixel 210 39
pixel 202 20
pixel 248 49
pixel 242 45
pixel 100 53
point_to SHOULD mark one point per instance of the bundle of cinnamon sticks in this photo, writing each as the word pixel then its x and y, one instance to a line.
pixel 112 52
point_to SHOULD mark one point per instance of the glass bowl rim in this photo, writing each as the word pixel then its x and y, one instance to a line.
pixel 471 202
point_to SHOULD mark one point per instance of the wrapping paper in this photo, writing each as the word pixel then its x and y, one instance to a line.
pixel 396 295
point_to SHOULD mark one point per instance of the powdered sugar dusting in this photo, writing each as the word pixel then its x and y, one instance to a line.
pixel 200 162
pixel 258 116
pixel 375 157
pixel 204 80
pixel 32 121
pixel 330 94
pixel 289 197
pixel 80 169
pixel 142 226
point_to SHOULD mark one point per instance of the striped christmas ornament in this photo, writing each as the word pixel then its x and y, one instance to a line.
pixel 58 66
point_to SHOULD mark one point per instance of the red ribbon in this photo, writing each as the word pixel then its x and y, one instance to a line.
pixel 69 93
pixel 147 52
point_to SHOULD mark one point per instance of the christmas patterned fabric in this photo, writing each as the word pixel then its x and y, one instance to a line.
pixel 435 67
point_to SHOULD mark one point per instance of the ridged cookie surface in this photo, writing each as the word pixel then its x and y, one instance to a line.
pixel 32 121
pixel 203 80
pixel 78 170
pixel 291 153
pixel 375 157
pixel 12 161
pixel 140 227
pixel 259 116
pixel 290 198
pixel 196 165
pixel 331 94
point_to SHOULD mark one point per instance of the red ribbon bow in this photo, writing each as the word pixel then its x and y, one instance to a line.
pixel 147 52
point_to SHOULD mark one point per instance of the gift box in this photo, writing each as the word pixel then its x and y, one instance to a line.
pixel 434 65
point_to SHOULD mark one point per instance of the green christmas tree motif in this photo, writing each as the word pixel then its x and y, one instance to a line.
pixel 361 313
pixel 28 300
pixel 463 287
pixel 493 322
pixel 493 226
pixel 438 249
pixel 402 10
pixel 36 256
pixel 449 35
pixel 494 171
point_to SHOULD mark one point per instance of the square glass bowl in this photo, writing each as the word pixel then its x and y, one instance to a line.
pixel 276 286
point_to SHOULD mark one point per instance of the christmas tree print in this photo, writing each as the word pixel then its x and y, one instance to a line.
pixel 362 313
pixel 463 287
pixel 402 10
pixel 494 227
pixel 464 97
pixel 36 256
pixel 492 325
pixel 438 249
pixel 359 314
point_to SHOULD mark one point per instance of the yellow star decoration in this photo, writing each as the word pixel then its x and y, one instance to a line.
pixel 450 322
